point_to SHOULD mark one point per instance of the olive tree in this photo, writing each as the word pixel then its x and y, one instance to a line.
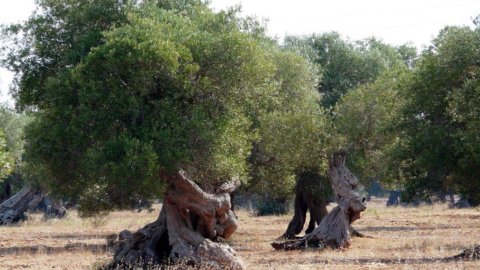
pixel 165 100
pixel 439 119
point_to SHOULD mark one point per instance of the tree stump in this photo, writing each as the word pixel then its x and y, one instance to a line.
pixel 190 222
pixel 334 230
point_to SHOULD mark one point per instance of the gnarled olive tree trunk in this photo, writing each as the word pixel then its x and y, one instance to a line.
pixel 190 222
pixel 29 198
pixel 13 209
pixel 334 230
pixel 312 194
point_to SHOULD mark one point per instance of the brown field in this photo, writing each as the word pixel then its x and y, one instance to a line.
pixel 401 238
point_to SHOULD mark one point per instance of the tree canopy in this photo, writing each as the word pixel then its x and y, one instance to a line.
pixel 12 125
pixel 346 65
pixel 439 117
pixel 125 92
pixel 364 120
pixel 155 87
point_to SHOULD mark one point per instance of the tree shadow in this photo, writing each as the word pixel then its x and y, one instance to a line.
pixel 392 261
pixel 394 229
pixel 42 249
pixel 79 236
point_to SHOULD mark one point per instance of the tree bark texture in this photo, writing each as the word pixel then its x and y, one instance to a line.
pixel 190 222
pixel 28 198
pixel 334 230
pixel 13 209
pixel 310 196
pixel 52 208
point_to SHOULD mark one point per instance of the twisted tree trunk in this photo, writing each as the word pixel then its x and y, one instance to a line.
pixel 190 222
pixel 13 209
pixel 334 230
pixel 52 208
pixel 29 198
pixel 303 203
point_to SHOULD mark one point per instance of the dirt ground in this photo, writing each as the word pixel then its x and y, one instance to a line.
pixel 401 238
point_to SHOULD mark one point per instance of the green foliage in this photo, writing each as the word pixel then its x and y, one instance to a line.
pixel 12 126
pixel 126 92
pixel 56 37
pixel 6 162
pixel 292 134
pixel 290 143
pixel 464 109
pixel 439 125
pixel 161 88
pixel 364 123
pixel 346 65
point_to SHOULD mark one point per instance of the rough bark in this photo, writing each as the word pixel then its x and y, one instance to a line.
pixel 13 209
pixel 29 198
pixel 52 208
pixel 469 254
pixel 190 222
pixel 304 203
pixel 334 229
pixel 312 194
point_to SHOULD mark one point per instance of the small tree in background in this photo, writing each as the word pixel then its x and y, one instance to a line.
pixel 6 161
pixel 12 126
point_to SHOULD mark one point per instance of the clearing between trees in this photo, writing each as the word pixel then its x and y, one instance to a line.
pixel 402 238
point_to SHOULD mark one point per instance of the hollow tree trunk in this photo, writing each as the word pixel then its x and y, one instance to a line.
pixel 13 209
pixel 316 204
pixel 334 230
pixel 190 222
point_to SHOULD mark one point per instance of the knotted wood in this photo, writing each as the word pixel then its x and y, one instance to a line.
pixel 13 209
pixel 28 198
pixel 312 194
pixel 334 230
pixel 190 222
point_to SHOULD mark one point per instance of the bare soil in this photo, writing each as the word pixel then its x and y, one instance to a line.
pixel 399 238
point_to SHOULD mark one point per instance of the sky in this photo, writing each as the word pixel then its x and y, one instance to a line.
pixel 395 22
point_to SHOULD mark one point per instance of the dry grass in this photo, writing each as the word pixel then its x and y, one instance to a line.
pixel 402 238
